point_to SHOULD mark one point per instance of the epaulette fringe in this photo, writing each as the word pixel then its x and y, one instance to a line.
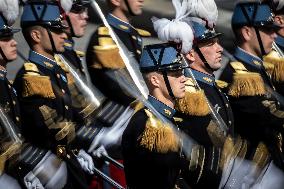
pixel 36 85
pixel 158 136
pixel 108 58
pixel 246 84
pixel 193 103
pixel 277 73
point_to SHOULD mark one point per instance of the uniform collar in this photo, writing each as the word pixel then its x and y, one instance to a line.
pixel 69 44
pixel 162 108
pixel 119 24
pixel 247 58
pixel 3 74
pixel 205 78
pixel 42 60
pixel 280 41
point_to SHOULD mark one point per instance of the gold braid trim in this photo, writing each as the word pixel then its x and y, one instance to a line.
pixel 66 128
pixel 194 102
pixel 277 67
pixel 34 85
pixel 159 137
pixel 274 110
pixel 9 151
pixel 261 155
pixel 216 135
pixel 246 84
pixel 232 149
pixel 143 33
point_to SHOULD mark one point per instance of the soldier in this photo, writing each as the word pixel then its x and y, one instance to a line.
pixel 103 57
pixel 45 101
pixel 279 19
pixel 77 19
pixel 28 164
pixel 273 61
pixel 151 150
pixel 199 118
pixel 257 113
pixel 102 53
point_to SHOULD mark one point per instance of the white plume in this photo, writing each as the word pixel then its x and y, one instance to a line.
pixel 10 10
pixel 175 30
pixel 204 9
pixel 66 5
pixel 280 4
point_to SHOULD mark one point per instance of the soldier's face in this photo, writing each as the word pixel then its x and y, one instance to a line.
pixel 135 5
pixel 58 37
pixel 9 48
pixel 212 52
pixel 268 36
pixel 177 82
pixel 79 22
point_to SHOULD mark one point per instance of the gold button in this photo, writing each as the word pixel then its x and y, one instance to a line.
pixel 58 76
pixel 139 52
pixel 66 107
pixel 133 37
pixel 17 118
pixel 14 102
pixel 63 91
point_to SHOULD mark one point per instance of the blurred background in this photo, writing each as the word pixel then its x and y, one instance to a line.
pixel 157 8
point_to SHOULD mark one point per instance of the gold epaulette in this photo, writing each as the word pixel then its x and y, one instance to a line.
pixel 221 84
pixel 80 54
pixel 35 84
pixel 245 83
pixel 31 68
pixel 269 67
pixel 106 52
pixel 277 72
pixel 143 33
pixel 194 103
pixel 158 136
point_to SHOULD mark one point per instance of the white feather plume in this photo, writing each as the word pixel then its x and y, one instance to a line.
pixel 204 9
pixel 66 5
pixel 10 10
pixel 280 4
pixel 176 31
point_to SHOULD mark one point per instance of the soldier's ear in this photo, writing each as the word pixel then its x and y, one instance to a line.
pixel 190 55
pixel 246 33
pixel 116 2
pixel 279 20
pixel 35 35
pixel 155 80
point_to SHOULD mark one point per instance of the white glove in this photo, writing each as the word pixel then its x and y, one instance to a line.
pixel 86 161
pixel 100 152
pixel 32 182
